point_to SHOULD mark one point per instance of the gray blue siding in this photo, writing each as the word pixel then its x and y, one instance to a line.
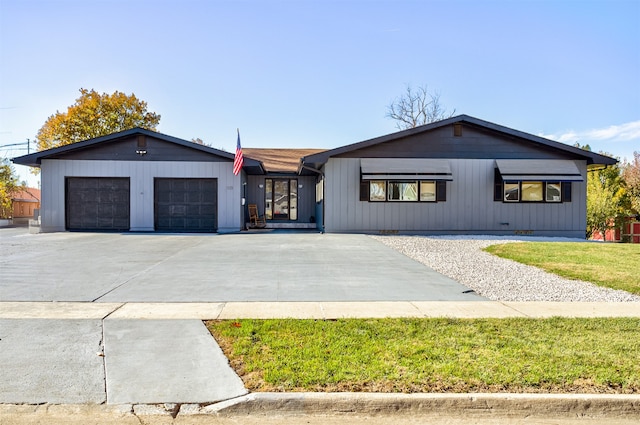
pixel 469 207
pixel 141 176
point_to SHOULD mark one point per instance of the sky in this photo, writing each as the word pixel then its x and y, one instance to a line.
pixel 321 74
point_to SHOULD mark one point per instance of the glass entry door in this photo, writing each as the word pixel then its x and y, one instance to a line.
pixel 281 199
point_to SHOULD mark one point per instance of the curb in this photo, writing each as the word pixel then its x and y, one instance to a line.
pixel 490 406
pixel 511 404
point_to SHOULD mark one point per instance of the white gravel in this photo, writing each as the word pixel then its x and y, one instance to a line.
pixel 461 258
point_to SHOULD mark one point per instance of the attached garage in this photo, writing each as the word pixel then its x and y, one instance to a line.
pixel 139 181
pixel 97 203
pixel 185 204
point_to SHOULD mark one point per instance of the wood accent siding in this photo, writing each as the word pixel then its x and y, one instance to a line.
pixel 469 207
pixel 475 143
pixel 156 150
pixel 142 174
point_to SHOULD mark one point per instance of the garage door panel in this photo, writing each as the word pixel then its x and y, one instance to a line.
pixel 97 203
pixel 185 204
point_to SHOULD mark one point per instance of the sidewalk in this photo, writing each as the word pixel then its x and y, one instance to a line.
pixel 314 310
pixel 156 363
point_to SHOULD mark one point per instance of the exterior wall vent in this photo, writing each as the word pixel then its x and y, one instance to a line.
pixel 457 130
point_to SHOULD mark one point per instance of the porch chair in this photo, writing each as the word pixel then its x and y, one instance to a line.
pixel 255 219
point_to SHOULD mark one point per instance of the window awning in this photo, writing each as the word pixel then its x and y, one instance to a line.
pixel 405 169
pixel 563 170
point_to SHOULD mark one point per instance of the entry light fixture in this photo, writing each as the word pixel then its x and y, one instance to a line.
pixel 141 152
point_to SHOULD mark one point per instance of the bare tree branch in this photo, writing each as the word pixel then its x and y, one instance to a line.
pixel 416 108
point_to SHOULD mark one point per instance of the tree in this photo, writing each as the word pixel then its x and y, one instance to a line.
pixel 585 147
pixel 416 108
pixel 605 199
pixel 200 141
pixel 8 186
pixel 631 177
pixel 94 115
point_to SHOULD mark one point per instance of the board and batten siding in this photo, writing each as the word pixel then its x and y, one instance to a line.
pixel 141 175
pixel 469 207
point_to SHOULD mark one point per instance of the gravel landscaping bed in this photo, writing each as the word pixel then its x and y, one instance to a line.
pixel 461 258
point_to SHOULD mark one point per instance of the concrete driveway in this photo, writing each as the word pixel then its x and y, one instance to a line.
pixel 265 266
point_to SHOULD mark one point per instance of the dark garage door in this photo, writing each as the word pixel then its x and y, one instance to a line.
pixel 186 205
pixel 97 203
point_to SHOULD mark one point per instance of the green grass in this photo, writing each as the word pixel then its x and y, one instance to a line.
pixel 614 266
pixel 435 355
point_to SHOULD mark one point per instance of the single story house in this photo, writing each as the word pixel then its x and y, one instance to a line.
pixel 461 175
pixel 25 203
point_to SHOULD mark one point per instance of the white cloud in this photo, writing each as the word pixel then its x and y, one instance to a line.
pixel 623 132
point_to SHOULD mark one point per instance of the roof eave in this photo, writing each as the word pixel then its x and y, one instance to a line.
pixel 592 158
pixel 35 159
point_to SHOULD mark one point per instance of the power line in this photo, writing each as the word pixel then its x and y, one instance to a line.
pixel 28 143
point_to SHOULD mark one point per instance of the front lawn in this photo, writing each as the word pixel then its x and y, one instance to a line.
pixel 615 266
pixel 435 355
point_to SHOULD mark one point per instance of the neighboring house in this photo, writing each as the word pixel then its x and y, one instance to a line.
pixel 457 176
pixel 25 202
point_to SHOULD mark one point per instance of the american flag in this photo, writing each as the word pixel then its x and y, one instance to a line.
pixel 239 159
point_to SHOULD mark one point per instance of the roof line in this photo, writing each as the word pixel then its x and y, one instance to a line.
pixel 593 157
pixel 35 158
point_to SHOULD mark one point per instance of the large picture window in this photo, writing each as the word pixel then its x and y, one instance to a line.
pixel 532 192
pixel 403 191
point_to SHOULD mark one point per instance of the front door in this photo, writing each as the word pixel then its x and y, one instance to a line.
pixel 281 199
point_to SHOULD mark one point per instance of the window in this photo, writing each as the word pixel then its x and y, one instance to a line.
pixel 553 193
pixel 532 192
pixel 403 191
pixel 377 190
pixel 511 191
pixel 428 191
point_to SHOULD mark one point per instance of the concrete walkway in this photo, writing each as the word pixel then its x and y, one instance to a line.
pixel 314 310
pixel 73 352
pixel 157 361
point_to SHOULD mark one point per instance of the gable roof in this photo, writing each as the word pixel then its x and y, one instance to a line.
pixel 317 160
pixel 279 160
pixel 35 159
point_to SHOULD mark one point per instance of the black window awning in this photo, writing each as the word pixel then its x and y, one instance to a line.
pixel 562 170
pixel 405 169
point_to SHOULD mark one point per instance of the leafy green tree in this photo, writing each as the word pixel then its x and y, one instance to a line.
pixel 606 196
pixel 8 186
pixel 94 115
